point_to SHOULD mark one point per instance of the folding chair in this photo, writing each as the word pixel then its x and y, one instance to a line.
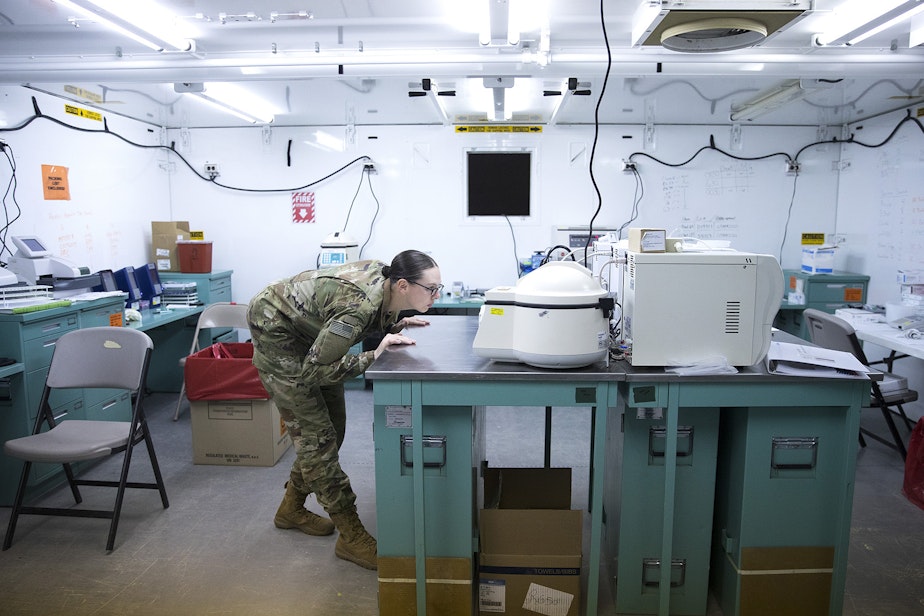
pixel 219 314
pixel 829 331
pixel 104 357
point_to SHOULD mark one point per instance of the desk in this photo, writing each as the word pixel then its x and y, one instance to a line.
pixel 440 377
pixel 891 338
pixel 171 331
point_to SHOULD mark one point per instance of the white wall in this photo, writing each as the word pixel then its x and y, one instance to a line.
pixel 115 188
pixel 419 184
pixel 881 212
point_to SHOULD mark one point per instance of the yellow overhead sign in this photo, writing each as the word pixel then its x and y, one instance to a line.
pixel 490 128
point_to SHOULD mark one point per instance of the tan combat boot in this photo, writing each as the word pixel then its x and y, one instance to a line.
pixel 354 543
pixel 292 514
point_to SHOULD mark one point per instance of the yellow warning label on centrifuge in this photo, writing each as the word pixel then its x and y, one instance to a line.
pixel 497 312
pixel 83 113
pixel 488 128
pixel 813 239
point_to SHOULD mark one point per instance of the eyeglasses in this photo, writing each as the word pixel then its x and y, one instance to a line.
pixel 434 291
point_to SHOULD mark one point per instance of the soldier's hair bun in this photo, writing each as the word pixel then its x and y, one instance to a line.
pixel 386 271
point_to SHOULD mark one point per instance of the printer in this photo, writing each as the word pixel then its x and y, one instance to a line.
pixel 33 261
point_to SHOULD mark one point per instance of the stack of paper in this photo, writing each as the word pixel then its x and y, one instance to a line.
pixel 804 360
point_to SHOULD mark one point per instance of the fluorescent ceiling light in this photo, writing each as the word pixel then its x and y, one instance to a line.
pixel 504 21
pixel 863 23
pixel 141 20
pixel 326 141
pixel 237 101
pixel 917 31
pixel 775 97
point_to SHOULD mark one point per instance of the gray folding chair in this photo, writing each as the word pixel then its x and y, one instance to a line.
pixel 219 314
pixel 96 357
pixel 888 395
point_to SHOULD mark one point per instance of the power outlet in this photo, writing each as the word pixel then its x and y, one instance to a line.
pixel 211 170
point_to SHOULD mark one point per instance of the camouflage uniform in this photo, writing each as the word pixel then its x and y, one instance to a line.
pixel 302 329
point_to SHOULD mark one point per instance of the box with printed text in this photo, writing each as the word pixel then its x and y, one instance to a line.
pixel 164 236
pixel 530 559
pixel 238 433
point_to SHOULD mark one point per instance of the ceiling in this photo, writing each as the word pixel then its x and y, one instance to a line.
pixel 372 62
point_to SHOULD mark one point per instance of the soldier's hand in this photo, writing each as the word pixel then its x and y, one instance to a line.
pixel 392 340
pixel 411 322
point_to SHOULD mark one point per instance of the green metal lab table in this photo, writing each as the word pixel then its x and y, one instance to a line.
pixel 419 389
pixel 635 410
pixel 780 471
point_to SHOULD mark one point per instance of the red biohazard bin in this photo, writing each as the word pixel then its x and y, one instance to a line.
pixel 195 256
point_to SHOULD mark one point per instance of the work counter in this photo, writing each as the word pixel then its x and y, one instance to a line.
pixel 799 434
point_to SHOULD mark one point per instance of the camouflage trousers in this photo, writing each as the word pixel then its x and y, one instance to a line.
pixel 315 418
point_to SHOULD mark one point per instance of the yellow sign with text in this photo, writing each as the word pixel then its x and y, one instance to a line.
pixel 83 113
pixel 813 239
pixel 487 128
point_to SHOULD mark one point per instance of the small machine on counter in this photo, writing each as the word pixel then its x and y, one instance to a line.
pixel 33 263
pixel 338 248
pixel 556 316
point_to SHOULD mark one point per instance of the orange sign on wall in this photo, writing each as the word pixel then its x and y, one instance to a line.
pixel 54 183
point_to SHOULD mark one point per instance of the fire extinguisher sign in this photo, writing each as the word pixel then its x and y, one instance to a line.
pixel 303 207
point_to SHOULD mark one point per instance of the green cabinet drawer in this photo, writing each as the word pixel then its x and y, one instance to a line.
pixel 35 384
pixel 117 406
pixel 220 283
pixel 49 328
pixel 40 349
pixel 63 412
pixel 102 316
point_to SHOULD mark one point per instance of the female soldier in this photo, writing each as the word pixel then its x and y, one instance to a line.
pixel 302 329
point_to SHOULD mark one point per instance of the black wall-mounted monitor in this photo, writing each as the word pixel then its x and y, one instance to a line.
pixel 498 183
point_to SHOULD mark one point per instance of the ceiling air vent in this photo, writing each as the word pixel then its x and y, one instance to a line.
pixel 712 25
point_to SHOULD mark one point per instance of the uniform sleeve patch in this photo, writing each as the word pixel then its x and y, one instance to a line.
pixel 342 329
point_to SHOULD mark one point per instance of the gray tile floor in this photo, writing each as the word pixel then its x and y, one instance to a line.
pixel 215 551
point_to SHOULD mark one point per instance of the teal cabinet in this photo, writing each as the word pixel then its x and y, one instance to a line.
pixel 212 287
pixel 634 505
pixel 783 499
pixel 30 338
pixel 825 292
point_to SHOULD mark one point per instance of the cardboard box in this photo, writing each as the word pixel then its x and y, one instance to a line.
pixel 237 432
pixel 910 277
pixel 858 316
pixel 223 371
pixel 647 240
pixel 818 260
pixel 530 560
pixel 449 586
pixel 164 236
pixel 803 589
